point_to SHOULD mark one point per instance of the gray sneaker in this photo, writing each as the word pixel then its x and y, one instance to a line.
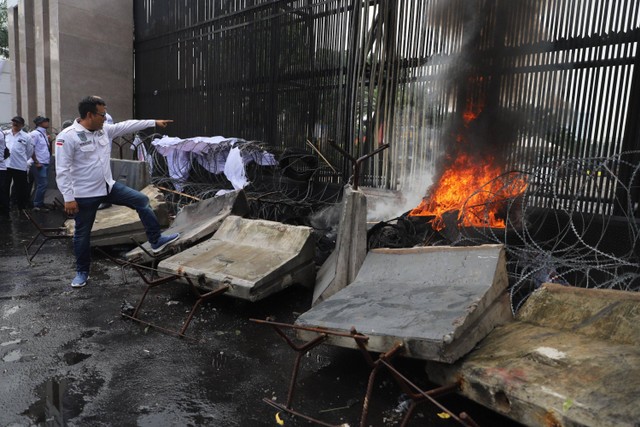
pixel 163 241
pixel 80 280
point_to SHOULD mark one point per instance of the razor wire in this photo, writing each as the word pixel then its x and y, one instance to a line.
pixel 564 234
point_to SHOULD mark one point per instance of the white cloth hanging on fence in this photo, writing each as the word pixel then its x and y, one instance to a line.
pixel 209 153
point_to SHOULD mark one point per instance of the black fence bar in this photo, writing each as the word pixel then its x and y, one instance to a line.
pixel 368 72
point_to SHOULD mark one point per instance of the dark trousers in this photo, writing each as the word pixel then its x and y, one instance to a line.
pixel 20 187
pixel 4 193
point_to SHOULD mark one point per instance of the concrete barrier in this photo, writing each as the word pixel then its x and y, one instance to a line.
pixel 254 257
pixel 342 266
pixel 197 222
pixel 439 301
pixel 571 358
pixel 133 173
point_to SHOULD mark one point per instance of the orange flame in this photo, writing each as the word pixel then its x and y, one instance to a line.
pixel 471 184
pixel 470 187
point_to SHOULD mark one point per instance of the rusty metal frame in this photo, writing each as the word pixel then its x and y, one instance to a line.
pixel 357 163
pixel 47 233
pixel 417 395
pixel 153 281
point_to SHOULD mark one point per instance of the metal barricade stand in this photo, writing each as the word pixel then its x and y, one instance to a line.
pixel 152 279
pixel 47 233
pixel 417 395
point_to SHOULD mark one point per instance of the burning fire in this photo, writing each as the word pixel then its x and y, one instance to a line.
pixel 471 187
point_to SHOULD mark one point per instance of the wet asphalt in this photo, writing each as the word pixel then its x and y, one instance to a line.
pixel 69 357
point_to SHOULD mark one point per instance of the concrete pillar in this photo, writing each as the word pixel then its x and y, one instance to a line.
pixel 41 58
pixel 26 47
pixel 64 50
pixel 14 57
pixel 54 66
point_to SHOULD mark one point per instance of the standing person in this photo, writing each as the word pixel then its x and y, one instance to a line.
pixel 41 161
pixel 83 174
pixel 4 187
pixel 21 149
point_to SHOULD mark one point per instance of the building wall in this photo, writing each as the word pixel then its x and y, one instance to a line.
pixel 64 50
pixel 6 109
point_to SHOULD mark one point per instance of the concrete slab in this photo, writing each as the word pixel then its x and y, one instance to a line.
pixel 438 301
pixel 572 358
pixel 342 266
pixel 133 173
pixel 116 225
pixel 197 222
pixel 256 258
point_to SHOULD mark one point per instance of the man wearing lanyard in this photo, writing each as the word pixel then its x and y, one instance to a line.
pixel 83 174
pixel 21 149
pixel 41 163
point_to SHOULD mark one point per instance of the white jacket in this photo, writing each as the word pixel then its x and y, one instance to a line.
pixel 83 167
pixel 41 145
pixel 21 147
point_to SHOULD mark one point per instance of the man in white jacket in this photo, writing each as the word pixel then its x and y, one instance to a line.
pixel 83 174
pixel 21 147
pixel 41 164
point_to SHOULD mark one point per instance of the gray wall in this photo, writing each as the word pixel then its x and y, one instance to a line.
pixel 6 111
pixel 63 50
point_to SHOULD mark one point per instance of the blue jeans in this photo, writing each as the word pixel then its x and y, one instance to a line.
pixel 42 180
pixel 88 206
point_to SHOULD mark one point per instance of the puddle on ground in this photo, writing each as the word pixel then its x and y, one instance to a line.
pixel 49 411
pixel 73 358
pixel 63 399
pixel 219 360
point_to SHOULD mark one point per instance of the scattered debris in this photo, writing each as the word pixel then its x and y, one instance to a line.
pixel 127 308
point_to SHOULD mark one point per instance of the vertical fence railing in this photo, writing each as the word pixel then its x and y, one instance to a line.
pixel 364 73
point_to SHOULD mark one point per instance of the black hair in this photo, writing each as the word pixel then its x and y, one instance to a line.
pixel 89 104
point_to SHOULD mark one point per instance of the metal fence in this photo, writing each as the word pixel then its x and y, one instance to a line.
pixel 559 79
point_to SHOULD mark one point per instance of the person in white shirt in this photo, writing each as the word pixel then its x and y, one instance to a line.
pixel 83 174
pixel 4 187
pixel 21 148
pixel 41 161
